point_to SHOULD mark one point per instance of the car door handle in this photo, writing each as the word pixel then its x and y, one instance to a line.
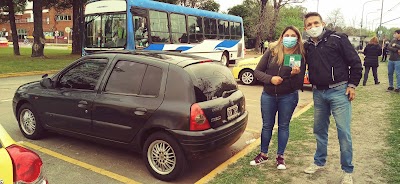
pixel 82 104
pixel 140 111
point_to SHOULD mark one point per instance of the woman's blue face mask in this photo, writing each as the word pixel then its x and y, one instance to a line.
pixel 289 42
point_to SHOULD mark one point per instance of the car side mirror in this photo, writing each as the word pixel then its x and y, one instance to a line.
pixel 46 82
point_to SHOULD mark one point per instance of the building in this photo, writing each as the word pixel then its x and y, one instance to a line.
pixel 54 25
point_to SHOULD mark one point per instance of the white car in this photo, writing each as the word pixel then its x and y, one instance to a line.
pixel 3 42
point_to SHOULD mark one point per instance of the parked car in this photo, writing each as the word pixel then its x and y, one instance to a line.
pixel 168 106
pixel 3 42
pixel 18 164
pixel 244 71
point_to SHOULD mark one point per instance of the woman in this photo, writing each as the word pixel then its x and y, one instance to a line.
pixel 371 52
pixel 280 94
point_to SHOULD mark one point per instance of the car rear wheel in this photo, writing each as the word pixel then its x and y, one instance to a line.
pixel 225 59
pixel 164 157
pixel 247 77
pixel 29 123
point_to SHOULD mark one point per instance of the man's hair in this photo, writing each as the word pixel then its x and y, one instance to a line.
pixel 311 14
pixel 397 31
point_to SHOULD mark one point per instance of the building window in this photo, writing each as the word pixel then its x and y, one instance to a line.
pixel 63 17
pixel 21 33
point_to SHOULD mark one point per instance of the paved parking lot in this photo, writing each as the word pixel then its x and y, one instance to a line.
pixel 70 160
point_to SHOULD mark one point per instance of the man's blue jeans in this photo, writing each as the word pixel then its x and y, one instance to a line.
pixel 270 105
pixel 394 66
pixel 333 101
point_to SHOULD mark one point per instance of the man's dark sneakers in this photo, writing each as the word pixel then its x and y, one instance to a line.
pixel 259 160
pixel 390 88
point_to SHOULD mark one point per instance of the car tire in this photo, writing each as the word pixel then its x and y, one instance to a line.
pixel 247 77
pixel 29 122
pixel 155 151
pixel 225 59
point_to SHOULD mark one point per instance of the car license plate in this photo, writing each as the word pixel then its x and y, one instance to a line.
pixel 232 112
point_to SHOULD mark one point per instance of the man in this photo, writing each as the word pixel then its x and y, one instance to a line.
pixel 335 70
pixel 385 52
pixel 394 61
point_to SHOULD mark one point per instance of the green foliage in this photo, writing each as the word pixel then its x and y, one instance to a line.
pixel 290 16
pixel 19 6
pixel 249 11
pixel 209 5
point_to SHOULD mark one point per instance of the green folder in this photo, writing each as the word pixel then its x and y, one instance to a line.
pixel 292 60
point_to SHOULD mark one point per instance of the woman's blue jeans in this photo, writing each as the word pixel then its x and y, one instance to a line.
pixel 333 101
pixel 394 67
pixel 270 105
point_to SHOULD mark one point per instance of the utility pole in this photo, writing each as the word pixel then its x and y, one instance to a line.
pixel 380 24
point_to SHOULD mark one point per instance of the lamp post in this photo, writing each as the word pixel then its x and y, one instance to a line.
pixel 366 18
pixel 380 24
pixel 362 14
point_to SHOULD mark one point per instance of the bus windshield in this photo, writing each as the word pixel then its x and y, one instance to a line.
pixel 106 30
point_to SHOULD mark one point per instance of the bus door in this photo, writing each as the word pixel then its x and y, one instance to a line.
pixel 140 26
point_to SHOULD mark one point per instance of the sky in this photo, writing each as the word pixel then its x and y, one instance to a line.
pixel 351 10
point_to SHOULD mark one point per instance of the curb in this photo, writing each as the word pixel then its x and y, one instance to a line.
pixel 207 178
pixel 20 74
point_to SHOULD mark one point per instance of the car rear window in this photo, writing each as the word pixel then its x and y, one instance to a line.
pixel 211 80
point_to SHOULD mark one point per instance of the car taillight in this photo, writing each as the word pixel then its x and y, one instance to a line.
pixel 198 120
pixel 27 165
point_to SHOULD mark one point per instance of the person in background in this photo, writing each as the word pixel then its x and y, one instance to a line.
pixel 385 52
pixel 371 52
pixel 335 70
pixel 394 61
pixel 265 45
pixel 280 94
pixel 262 47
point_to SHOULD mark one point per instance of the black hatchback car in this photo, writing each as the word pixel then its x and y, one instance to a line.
pixel 168 106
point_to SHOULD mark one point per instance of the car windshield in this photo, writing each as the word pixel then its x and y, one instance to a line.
pixel 105 30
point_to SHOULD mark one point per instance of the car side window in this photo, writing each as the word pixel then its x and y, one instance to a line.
pixel 151 82
pixel 126 77
pixel 85 75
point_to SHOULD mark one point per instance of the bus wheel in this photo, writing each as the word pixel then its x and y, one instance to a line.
pixel 225 59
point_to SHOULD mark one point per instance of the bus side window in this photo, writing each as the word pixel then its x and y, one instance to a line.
pixel 195 29
pixel 159 27
pixel 178 28
pixel 223 29
pixel 210 28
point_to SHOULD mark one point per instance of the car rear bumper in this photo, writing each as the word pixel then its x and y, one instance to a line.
pixel 196 143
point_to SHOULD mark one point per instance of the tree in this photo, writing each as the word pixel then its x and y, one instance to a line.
pixel 289 16
pixel 209 5
pixel 335 20
pixel 38 41
pixel 277 5
pixel 12 6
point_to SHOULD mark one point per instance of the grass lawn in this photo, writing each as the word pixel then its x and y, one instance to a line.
pixel 393 138
pixel 54 60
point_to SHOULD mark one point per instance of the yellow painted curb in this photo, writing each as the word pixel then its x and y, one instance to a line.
pixel 243 153
pixel 19 74
pixel 95 169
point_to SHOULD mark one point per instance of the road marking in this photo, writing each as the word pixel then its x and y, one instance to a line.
pixel 81 164
pixel 252 130
pixel 242 153
pixel 7 100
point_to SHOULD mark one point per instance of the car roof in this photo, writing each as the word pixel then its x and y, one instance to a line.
pixel 178 59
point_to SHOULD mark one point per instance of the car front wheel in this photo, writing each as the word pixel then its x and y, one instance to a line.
pixel 247 77
pixel 164 157
pixel 29 123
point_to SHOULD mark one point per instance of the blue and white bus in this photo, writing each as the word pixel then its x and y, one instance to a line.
pixel 152 25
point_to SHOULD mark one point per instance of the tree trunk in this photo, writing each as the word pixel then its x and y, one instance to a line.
pixel 271 30
pixel 261 24
pixel 14 35
pixel 77 29
pixel 38 41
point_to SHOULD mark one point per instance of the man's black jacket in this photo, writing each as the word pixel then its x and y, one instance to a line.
pixel 332 60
